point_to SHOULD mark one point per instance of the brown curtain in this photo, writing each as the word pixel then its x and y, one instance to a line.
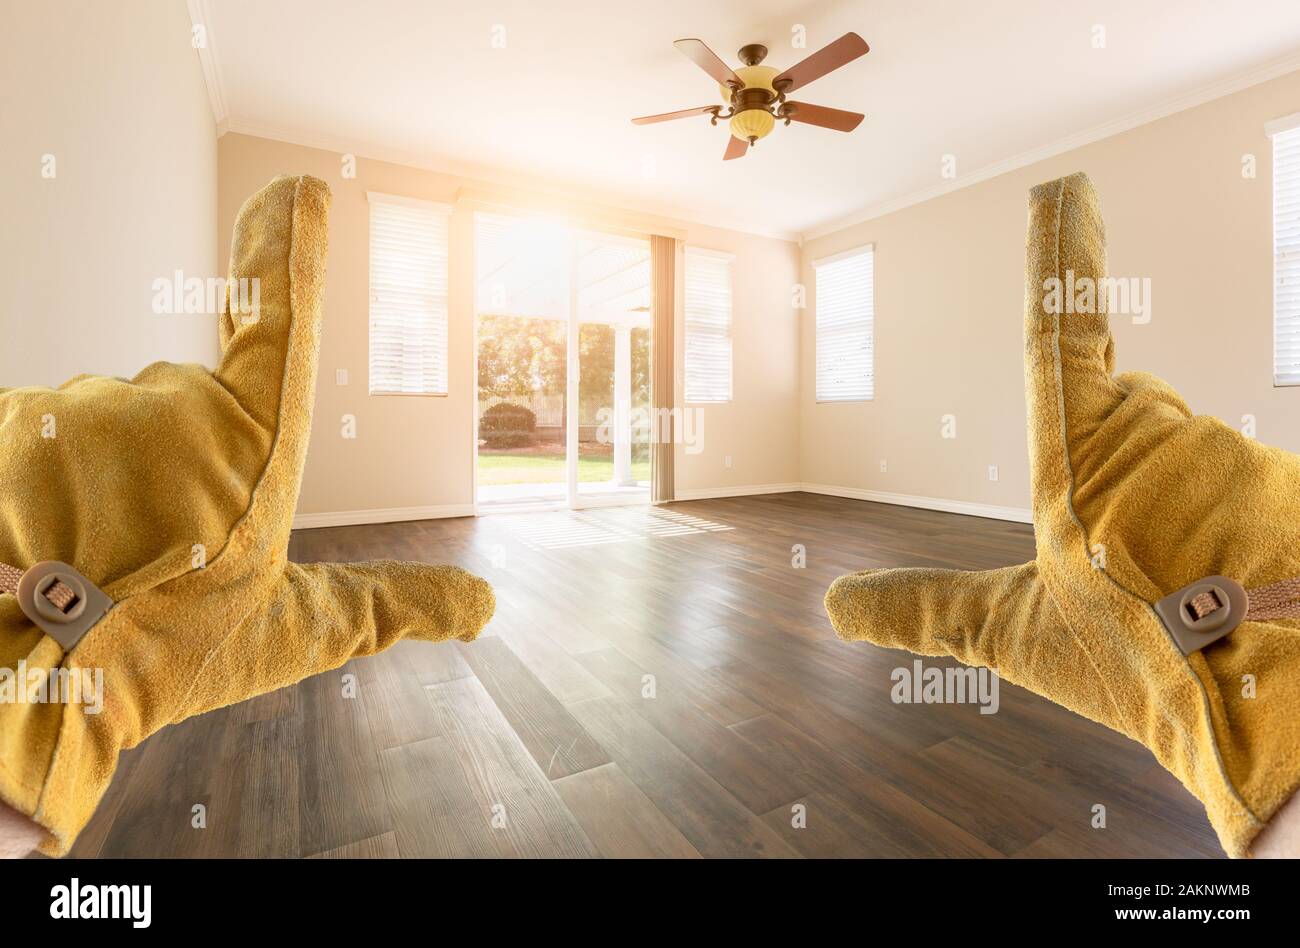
pixel 663 262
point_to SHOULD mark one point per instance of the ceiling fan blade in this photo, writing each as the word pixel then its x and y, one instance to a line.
pixel 708 60
pixel 668 116
pixel 736 148
pixel 827 59
pixel 836 119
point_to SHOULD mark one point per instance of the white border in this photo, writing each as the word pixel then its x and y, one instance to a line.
pixel 966 507
pixel 348 518
pixel 392 514
pixel 748 490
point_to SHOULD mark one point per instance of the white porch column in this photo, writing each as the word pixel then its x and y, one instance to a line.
pixel 623 407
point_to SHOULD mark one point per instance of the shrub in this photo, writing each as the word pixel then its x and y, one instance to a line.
pixel 507 425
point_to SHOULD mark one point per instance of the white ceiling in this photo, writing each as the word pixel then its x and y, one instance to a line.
pixel 987 82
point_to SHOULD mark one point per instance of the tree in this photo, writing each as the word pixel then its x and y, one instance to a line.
pixel 517 357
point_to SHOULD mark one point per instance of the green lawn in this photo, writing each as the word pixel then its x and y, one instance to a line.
pixel 524 468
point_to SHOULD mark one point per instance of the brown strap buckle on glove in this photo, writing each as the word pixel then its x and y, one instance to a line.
pixel 64 604
pixel 1205 611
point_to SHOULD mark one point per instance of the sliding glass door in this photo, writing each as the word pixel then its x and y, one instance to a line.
pixel 563 353
pixel 522 303
pixel 613 370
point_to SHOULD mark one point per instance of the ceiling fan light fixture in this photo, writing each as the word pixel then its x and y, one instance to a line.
pixel 752 124
pixel 752 77
pixel 754 95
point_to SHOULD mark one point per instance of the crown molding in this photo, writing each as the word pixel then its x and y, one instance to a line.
pixel 497 177
pixel 1181 103
pixel 198 10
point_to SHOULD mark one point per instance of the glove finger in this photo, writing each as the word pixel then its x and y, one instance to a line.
pixel 1069 351
pixel 270 329
pixel 1003 619
pixel 933 611
pixel 323 614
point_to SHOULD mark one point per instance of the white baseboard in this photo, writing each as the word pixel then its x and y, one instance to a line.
pixel 969 508
pixel 348 518
pixel 745 490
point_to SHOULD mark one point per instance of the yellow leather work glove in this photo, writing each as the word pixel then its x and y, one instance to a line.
pixel 174 493
pixel 1122 471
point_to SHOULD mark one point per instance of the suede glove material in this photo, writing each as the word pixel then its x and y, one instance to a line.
pixel 1121 467
pixel 174 492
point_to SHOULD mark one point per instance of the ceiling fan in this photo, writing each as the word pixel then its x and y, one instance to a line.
pixel 755 95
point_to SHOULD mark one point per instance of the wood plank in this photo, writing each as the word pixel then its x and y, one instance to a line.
pixel 742 768
pixel 435 811
pixel 553 666
pixel 340 785
pixel 530 818
pixel 432 662
pixel 179 768
pixel 877 819
pixel 268 815
pixel 92 839
pixel 376 847
pixel 714 821
pixel 620 819
pixel 724 704
pixel 393 695
pixel 556 741
pixel 282 703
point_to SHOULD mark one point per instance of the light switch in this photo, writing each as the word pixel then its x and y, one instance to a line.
pixel 884 466
pixel 993 472
pixel 340 376
pixel 726 462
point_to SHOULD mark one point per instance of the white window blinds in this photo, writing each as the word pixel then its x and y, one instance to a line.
pixel 846 312
pixel 1286 257
pixel 708 326
pixel 408 296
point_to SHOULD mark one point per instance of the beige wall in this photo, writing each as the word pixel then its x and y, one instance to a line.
pixel 949 285
pixel 115 93
pixel 417 452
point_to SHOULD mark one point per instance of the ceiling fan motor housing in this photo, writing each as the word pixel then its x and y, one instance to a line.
pixel 751 105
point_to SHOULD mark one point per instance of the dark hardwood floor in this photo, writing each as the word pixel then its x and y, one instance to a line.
pixel 538 739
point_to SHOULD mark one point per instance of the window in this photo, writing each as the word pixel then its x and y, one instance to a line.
pixel 1286 251
pixel 846 312
pixel 708 326
pixel 408 296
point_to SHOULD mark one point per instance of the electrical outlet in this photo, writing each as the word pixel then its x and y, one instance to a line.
pixel 993 472
pixel 884 466
pixel 340 376
pixel 726 462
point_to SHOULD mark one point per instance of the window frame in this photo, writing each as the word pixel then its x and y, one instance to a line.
pixel 862 250
pixel 1289 129
pixel 442 213
pixel 729 259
